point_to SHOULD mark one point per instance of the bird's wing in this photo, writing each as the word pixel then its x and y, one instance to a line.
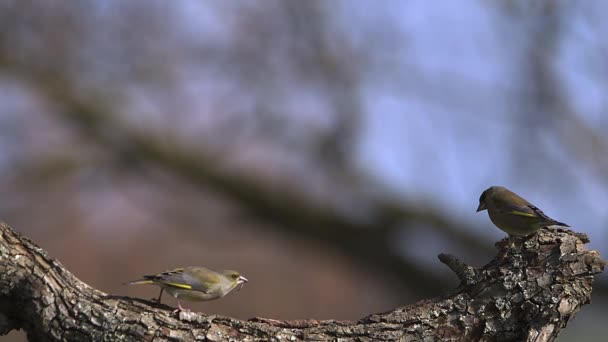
pixel 538 214
pixel 518 206
pixel 184 278
pixel 523 208
pixel 530 211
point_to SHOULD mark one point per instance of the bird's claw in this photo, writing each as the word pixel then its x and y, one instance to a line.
pixel 180 309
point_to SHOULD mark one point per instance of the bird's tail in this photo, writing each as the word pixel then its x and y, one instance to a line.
pixel 140 282
pixel 557 223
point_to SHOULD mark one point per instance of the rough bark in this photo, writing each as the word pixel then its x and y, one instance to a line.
pixel 527 293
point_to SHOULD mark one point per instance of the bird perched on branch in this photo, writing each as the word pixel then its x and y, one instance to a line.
pixel 194 283
pixel 513 214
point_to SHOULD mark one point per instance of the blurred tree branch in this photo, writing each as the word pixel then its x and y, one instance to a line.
pixel 369 243
pixel 335 67
pixel 582 139
pixel 547 106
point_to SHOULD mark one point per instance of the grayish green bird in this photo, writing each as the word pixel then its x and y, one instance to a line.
pixel 194 283
pixel 513 214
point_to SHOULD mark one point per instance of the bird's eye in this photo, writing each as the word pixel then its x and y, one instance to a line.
pixel 234 276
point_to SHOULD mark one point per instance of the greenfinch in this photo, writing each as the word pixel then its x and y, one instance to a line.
pixel 513 214
pixel 194 283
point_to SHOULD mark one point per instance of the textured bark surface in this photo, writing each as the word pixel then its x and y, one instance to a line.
pixel 528 294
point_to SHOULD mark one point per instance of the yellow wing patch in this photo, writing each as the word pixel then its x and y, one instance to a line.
pixel 521 213
pixel 182 286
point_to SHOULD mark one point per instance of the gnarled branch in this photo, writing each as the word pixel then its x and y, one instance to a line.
pixel 528 293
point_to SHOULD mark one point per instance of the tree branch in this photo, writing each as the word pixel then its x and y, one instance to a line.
pixel 528 295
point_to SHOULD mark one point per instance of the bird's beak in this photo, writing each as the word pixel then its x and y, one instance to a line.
pixel 240 282
pixel 482 206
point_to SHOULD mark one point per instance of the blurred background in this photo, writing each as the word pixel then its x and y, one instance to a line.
pixel 326 150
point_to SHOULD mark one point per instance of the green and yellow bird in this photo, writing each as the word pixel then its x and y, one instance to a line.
pixel 513 214
pixel 194 283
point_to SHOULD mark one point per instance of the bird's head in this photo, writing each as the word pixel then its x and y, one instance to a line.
pixel 235 278
pixel 486 196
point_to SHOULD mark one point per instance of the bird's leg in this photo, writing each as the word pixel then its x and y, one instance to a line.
pixel 180 308
pixel 528 237
pixel 511 247
pixel 513 244
pixel 503 254
pixel 160 295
